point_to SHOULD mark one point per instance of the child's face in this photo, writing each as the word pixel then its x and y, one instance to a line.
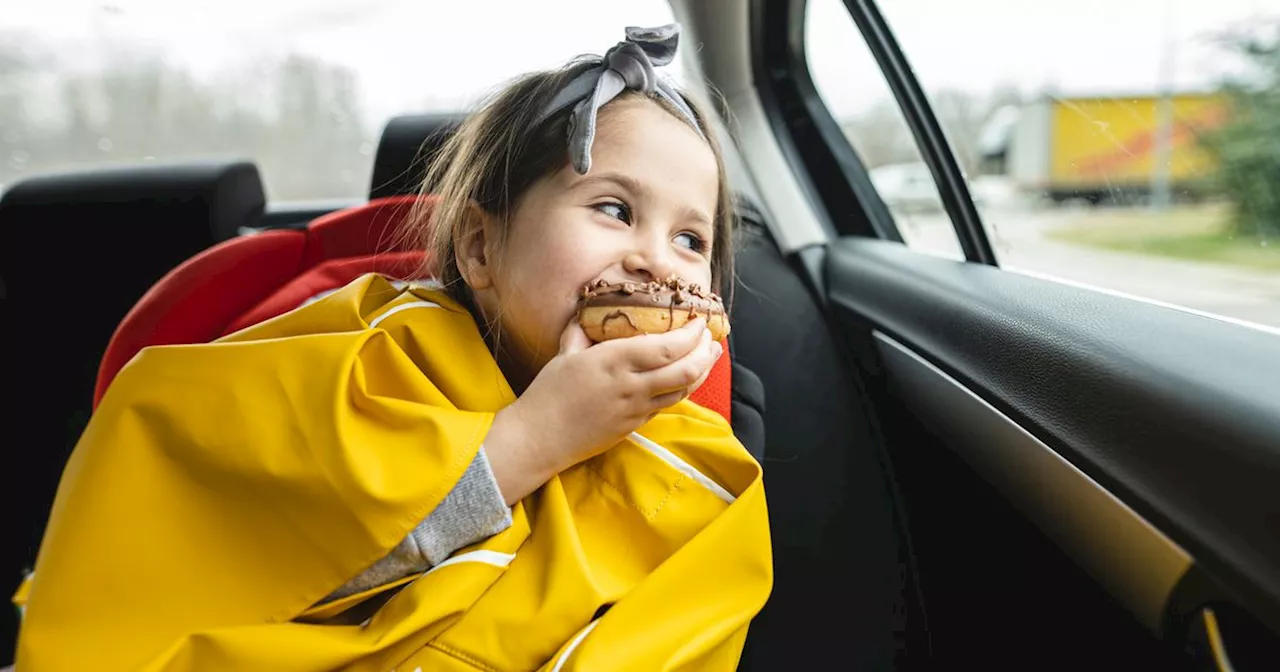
pixel 645 211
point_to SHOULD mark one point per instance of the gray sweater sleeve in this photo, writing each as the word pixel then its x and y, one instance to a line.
pixel 472 511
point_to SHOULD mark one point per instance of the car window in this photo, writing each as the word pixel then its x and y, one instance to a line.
pixel 851 85
pixel 301 88
pixel 1137 154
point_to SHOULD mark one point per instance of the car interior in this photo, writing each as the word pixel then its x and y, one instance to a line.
pixel 965 466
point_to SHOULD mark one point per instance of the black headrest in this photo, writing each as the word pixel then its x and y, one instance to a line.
pixel 405 150
pixel 76 252
pixel 209 202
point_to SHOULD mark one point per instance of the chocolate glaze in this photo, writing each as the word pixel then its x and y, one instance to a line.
pixel 672 294
pixel 618 314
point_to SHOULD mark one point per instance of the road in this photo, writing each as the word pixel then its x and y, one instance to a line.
pixel 1251 295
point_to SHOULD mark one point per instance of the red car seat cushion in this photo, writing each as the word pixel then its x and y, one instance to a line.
pixel 253 278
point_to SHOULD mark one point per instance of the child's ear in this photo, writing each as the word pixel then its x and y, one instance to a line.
pixel 471 244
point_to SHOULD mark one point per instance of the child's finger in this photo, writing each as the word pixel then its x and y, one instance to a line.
pixel 573 338
pixel 668 400
pixel 654 351
pixel 716 351
pixel 684 373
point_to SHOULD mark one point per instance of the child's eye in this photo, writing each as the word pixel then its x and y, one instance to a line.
pixel 692 241
pixel 618 211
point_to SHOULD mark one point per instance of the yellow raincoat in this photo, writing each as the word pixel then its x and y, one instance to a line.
pixel 222 489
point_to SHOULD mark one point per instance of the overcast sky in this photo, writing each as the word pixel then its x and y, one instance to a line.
pixel 407 52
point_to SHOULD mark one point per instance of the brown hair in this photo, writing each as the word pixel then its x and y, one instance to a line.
pixel 500 151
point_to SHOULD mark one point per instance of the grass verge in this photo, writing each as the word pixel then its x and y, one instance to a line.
pixel 1193 233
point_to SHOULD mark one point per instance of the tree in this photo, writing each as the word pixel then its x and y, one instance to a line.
pixel 880 136
pixel 961 116
pixel 15 65
pixel 1247 146
pixel 21 59
pixel 318 130
pixel 298 118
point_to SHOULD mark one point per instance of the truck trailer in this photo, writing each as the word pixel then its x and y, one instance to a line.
pixel 1106 149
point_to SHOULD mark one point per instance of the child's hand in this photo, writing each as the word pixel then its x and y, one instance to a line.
pixel 588 397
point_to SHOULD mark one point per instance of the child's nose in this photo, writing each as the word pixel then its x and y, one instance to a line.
pixel 648 263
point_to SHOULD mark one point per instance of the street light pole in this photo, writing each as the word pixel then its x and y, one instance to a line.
pixel 1162 161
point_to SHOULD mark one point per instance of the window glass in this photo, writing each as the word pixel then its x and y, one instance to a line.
pixel 301 87
pixel 1131 146
pixel 850 83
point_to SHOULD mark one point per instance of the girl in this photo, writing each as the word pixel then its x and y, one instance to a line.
pixel 446 478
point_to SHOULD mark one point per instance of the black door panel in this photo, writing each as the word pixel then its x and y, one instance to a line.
pixel 1143 440
pixel 1176 414
pixel 1136 563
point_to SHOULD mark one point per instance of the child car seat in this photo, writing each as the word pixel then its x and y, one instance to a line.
pixel 252 278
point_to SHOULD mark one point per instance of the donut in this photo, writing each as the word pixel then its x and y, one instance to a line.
pixel 618 310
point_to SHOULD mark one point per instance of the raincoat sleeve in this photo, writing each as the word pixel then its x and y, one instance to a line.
pixel 237 483
pixel 473 510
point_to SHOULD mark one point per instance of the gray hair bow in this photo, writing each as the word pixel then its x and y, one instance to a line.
pixel 628 65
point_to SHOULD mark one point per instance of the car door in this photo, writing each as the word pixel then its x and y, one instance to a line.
pixel 1092 479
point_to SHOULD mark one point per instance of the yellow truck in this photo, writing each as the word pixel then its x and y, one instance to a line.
pixel 1106 149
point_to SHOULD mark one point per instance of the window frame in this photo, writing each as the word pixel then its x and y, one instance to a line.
pixel 825 162
pixel 825 165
